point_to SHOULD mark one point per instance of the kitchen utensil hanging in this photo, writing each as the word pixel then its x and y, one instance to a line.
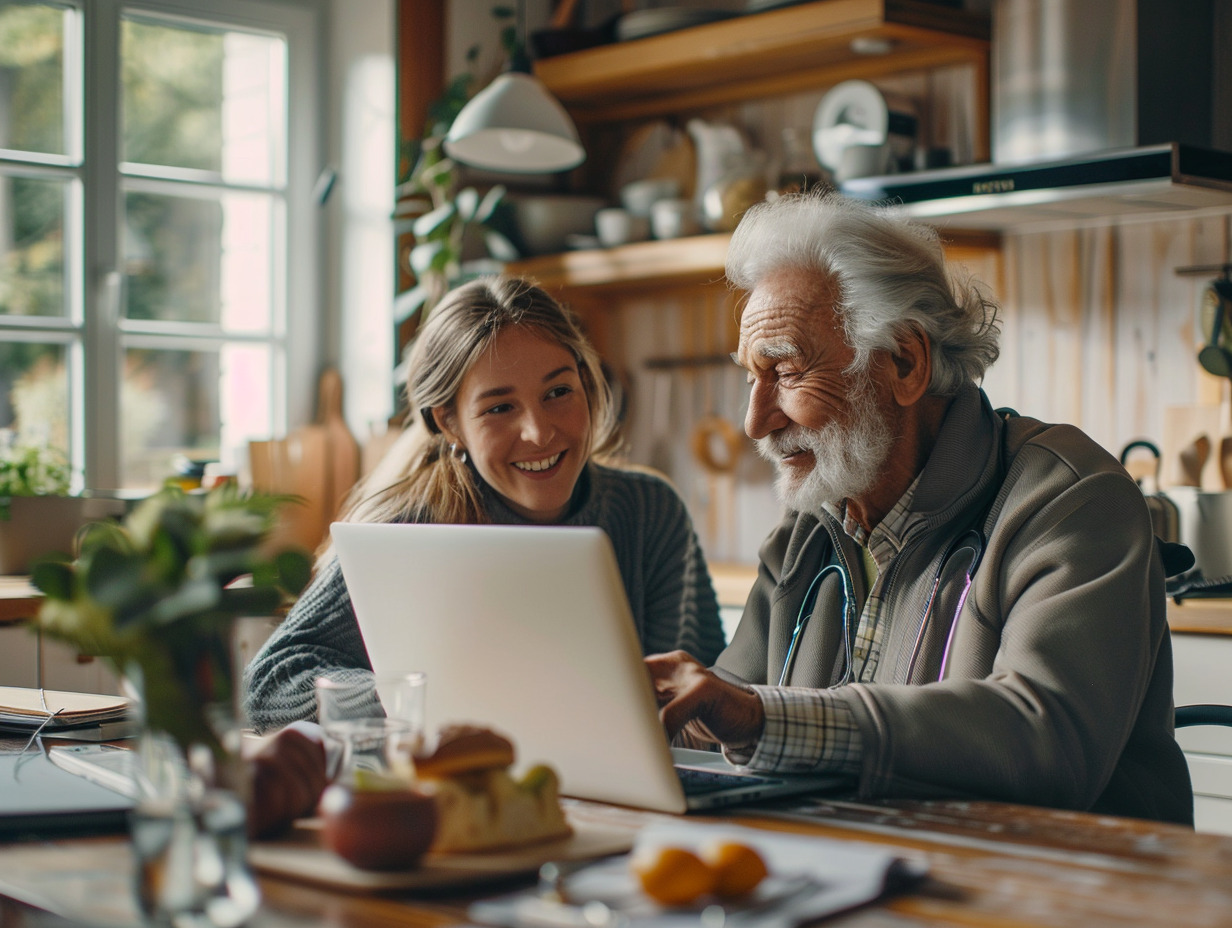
pixel 1216 321
pixel 716 444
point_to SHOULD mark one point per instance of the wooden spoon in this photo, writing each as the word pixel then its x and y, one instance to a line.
pixel 1225 461
pixel 1193 460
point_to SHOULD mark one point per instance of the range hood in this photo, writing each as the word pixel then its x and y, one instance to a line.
pixel 1120 184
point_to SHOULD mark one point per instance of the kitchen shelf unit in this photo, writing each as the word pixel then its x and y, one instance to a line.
pixel 794 48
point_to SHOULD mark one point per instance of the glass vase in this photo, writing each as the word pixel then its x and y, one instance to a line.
pixel 189 824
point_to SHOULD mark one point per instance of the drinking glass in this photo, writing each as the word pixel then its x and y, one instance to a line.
pixel 373 724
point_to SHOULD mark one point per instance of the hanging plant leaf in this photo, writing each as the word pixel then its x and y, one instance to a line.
pixel 491 200
pixel 428 257
pixel 467 202
pixel 428 223
pixel 499 247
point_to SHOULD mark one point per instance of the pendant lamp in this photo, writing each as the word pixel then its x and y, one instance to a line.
pixel 515 125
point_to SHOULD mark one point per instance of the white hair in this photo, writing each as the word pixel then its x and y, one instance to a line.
pixel 891 277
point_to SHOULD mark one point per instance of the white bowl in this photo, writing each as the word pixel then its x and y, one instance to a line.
pixel 545 221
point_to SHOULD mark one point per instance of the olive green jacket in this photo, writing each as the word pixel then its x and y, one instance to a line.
pixel 1057 682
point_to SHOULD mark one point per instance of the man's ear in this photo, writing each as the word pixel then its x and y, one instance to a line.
pixel 911 367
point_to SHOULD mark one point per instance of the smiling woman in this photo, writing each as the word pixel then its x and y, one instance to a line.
pixel 513 423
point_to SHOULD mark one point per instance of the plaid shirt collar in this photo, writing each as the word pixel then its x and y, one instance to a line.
pixel 886 538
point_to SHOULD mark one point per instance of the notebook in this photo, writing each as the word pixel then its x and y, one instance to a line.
pixel 528 629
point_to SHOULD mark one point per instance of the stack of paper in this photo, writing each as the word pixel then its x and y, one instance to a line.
pixel 65 715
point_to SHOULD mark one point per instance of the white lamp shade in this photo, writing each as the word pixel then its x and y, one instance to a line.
pixel 515 125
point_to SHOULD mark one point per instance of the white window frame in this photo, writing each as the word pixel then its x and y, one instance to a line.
pixel 93 326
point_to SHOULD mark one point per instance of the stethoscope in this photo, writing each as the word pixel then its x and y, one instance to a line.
pixel 970 544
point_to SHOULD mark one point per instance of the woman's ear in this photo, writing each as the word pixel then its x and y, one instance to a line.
pixel 911 367
pixel 443 417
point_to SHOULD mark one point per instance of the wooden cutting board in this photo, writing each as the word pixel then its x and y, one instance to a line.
pixel 318 463
pixel 300 856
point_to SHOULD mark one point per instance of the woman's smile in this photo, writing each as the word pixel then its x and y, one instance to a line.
pixel 541 466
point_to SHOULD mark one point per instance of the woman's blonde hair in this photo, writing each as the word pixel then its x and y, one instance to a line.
pixel 421 479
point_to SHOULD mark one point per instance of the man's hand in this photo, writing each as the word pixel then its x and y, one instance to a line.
pixel 288 777
pixel 689 693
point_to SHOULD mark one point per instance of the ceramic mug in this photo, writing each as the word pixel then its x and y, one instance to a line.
pixel 673 219
pixel 616 226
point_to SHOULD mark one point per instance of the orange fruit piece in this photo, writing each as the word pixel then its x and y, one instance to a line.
pixel 738 868
pixel 672 876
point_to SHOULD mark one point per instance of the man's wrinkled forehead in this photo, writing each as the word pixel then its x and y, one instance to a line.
pixel 787 316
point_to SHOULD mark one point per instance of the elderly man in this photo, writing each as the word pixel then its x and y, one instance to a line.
pixel 958 602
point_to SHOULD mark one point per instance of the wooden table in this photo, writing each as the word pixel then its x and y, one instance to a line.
pixel 991 864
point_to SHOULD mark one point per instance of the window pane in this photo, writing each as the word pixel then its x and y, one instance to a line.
pixel 193 259
pixel 205 99
pixel 32 246
pixel 34 393
pixel 202 404
pixel 32 78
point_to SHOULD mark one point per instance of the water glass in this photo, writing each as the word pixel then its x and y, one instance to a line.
pixel 373 724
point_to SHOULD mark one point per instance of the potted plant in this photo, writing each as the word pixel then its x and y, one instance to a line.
pixel 38 515
pixel 157 596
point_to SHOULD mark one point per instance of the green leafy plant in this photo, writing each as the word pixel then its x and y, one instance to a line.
pixel 454 215
pixel 31 470
pixel 157 596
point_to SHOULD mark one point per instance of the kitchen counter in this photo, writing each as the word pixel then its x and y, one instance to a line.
pixel 1201 617
pixel 19 601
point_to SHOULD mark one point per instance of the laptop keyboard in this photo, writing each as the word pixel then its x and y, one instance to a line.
pixel 700 782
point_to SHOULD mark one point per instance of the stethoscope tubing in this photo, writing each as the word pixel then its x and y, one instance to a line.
pixel 972 538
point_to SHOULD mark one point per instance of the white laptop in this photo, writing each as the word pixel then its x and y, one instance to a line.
pixel 528 629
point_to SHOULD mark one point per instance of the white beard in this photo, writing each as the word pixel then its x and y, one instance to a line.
pixel 846 456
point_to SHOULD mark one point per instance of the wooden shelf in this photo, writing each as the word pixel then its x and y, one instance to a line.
pixel 697 259
pixel 766 54
pixel 683 261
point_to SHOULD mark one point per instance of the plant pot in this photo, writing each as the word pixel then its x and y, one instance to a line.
pixel 32 527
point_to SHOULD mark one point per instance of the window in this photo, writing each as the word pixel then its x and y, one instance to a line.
pixel 154 163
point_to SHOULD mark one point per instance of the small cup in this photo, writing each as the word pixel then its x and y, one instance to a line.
pixel 673 219
pixel 375 745
pixel 617 226
pixel 640 196
pixel 861 160
pixel 403 697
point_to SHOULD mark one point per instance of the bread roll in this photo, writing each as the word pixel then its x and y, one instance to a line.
pixel 464 749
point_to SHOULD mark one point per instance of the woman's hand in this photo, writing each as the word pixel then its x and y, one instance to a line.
pixel 690 694
pixel 288 777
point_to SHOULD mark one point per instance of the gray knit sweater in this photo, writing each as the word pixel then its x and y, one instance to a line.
pixel 657 549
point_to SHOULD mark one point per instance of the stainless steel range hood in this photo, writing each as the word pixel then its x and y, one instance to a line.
pixel 1121 184
pixel 1102 110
